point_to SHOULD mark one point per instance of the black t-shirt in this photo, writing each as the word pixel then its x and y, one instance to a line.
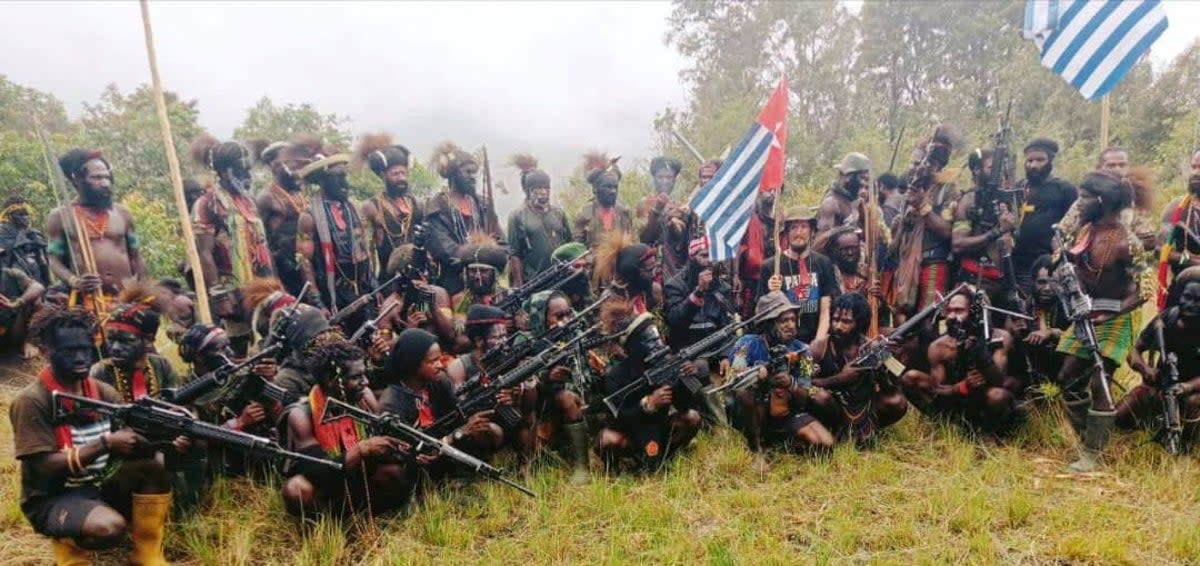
pixel 1044 206
pixel 805 287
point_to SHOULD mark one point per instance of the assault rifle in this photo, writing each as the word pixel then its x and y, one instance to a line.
pixel 1078 306
pixel 161 422
pixel 780 361
pixel 509 354
pixel 978 327
pixel 1168 387
pixel 283 324
pixel 666 368
pixel 402 282
pixel 877 352
pixel 193 391
pixel 422 443
pixel 555 277
pixel 363 335
pixel 484 396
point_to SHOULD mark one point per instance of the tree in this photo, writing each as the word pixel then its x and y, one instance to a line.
pixel 269 121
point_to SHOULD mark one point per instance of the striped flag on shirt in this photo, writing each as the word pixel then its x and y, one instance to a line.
pixel 1093 44
pixel 725 203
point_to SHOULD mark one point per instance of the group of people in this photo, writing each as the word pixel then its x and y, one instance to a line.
pixel 379 341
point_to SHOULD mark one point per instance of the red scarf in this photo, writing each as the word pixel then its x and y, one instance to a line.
pixel 424 411
pixel 336 437
pixel 62 432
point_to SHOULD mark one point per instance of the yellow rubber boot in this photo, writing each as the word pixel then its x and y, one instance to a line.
pixel 67 553
pixel 150 511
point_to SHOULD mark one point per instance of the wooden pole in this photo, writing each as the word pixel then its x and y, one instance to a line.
pixel 203 313
pixel 1104 111
pixel 778 226
pixel 870 235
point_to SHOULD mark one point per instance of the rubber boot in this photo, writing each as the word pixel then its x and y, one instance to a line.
pixel 1095 437
pixel 68 553
pixel 150 512
pixel 716 405
pixel 1077 411
pixel 578 434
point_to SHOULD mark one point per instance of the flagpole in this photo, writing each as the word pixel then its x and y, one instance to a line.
pixel 203 313
pixel 1104 111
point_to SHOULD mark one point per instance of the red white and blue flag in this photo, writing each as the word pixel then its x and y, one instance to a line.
pixel 726 202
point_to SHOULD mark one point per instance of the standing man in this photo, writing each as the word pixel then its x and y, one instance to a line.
pixel 982 235
pixel 604 214
pixel 806 277
pixel 332 241
pixel 666 225
pixel 536 229
pixel 106 229
pixel 1046 201
pixel 842 200
pixel 279 207
pixel 1179 237
pixel 230 237
pixel 1106 270
pixel 920 248
pixel 390 217
pixel 454 215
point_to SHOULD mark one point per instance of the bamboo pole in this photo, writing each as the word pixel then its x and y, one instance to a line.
pixel 203 313
pixel 1104 112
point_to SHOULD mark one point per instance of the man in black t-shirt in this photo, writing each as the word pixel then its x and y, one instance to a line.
pixel 1046 201
pixel 806 277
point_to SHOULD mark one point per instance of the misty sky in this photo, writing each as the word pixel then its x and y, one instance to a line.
pixel 553 78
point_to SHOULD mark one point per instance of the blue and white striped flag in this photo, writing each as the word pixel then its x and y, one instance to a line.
pixel 1093 44
pixel 725 203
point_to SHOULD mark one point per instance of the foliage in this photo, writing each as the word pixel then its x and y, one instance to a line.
pixel 18 103
pixel 157 224
pixel 280 122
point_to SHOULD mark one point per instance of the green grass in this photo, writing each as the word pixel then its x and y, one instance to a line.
pixel 925 495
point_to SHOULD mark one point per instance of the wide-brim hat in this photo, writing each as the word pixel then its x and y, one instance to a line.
pixel 774 304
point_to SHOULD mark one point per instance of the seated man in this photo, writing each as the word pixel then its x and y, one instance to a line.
pixel 644 427
pixel 774 411
pixel 853 402
pixel 422 394
pixel 129 333
pixel 65 491
pixel 372 479
pixel 967 379
pixel 1036 359
pixel 1143 406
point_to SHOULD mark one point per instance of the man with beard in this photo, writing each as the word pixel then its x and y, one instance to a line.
pixel 968 372
pixel 1106 270
pixel 66 493
pixel 981 236
pixel 920 248
pixel 455 215
pixel 230 237
pixel 106 228
pixel 805 276
pixel 372 478
pixel 1143 406
pixel 24 273
pixel 482 262
pixel 536 229
pixel 131 367
pixel 843 246
pixel 279 207
pixel 390 216
pixel 1036 357
pixel 1114 161
pixel 698 302
pixel 1045 202
pixel 842 200
pixel 628 268
pixel 852 402
pixel 332 241
pixel 604 214
pixel 774 411
pixel 1180 233
pixel 758 244
pixel 666 225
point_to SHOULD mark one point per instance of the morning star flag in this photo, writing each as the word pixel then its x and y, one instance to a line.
pixel 1093 44
pixel 725 203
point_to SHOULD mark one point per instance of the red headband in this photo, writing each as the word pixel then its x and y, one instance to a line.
pixel 124 326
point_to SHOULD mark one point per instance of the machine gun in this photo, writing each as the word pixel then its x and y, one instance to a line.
pixel 422 443
pixel 666 368
pixel 483 397
pixel 1078 306
pixel 509 354
pixel 1168 386
pixel 780 361
pixel 877 352
pixel 161 422
pixel 976 326
pixel 362 336
pixel 555 277
pixel 197 389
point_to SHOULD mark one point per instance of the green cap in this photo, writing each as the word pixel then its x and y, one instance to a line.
pixel 569 251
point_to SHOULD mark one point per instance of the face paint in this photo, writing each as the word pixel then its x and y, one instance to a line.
pixel 606 191
pixel 124 348
pixel 72 355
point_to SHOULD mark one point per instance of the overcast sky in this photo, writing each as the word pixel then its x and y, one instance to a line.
pixel 554 78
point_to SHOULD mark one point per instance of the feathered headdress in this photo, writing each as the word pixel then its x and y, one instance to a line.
pixel 531 176
pixel 482 250
pixel 138 311
pixel 596 164
pixel 614 250
pixel 945 140
pixel 379 153
pixel 448 157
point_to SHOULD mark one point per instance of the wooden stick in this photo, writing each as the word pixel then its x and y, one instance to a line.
pixel 203 314
pixel 778 226
pixel 1104 112
pixel 869 233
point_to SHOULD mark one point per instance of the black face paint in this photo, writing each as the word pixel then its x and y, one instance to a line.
pixel 124 348
pixel 606 192
pixel 335 186
pixel 72 355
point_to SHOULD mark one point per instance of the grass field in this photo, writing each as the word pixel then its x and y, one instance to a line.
pixel 925 495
